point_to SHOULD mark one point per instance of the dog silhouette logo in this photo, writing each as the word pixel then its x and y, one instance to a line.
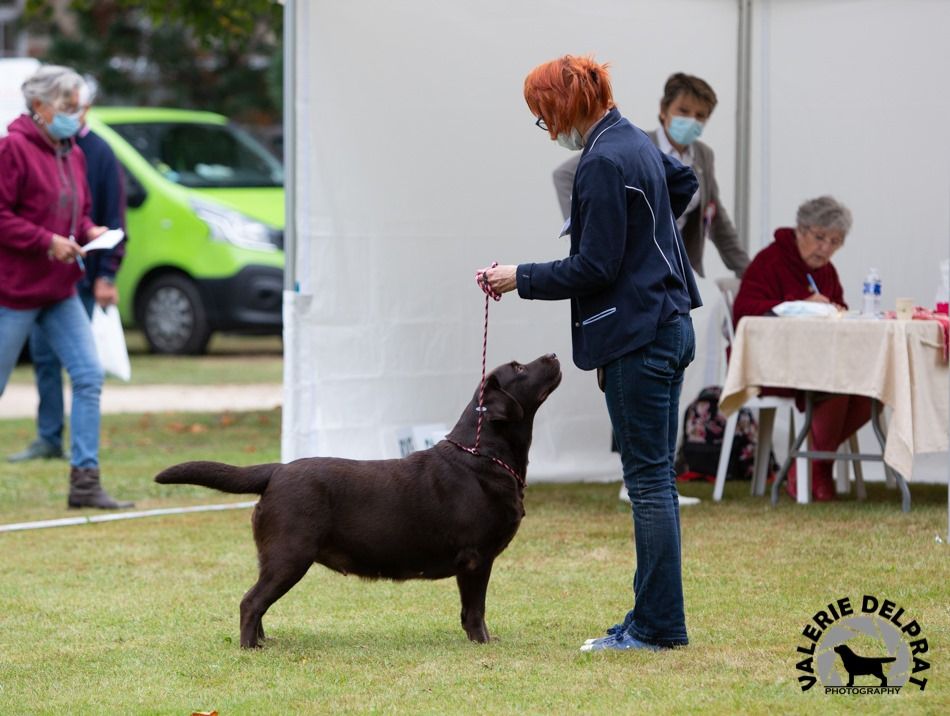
pixel 868 646
pixel 863 665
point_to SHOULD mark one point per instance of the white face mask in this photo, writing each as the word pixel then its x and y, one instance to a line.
pixel 573 141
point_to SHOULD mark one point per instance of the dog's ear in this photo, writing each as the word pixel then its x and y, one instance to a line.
pixel 499 404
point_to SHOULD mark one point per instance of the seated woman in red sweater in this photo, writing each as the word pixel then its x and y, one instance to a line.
pixel 797 267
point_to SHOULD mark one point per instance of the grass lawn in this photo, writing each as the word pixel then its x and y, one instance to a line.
pixel 230 359
pixel 142 616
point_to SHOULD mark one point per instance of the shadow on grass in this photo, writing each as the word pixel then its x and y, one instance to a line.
pixel 381 642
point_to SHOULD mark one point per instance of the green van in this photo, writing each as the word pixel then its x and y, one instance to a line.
pixel 205 222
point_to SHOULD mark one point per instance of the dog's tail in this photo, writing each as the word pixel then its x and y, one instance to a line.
pixel 219 476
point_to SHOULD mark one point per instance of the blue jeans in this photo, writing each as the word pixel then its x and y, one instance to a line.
pixel 67 329
pixel 49 379
pixel 642 392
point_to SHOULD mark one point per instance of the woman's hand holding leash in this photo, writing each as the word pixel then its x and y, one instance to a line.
pixel 496 280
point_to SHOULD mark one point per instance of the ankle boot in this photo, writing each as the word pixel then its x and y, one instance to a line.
pixel 85 490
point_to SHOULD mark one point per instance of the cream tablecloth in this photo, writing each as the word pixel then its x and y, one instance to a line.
pixel 897 362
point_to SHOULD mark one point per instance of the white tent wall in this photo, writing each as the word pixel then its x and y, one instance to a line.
pixel 417 161
pixel 844 93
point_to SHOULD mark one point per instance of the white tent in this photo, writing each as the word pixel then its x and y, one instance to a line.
pixel 413 161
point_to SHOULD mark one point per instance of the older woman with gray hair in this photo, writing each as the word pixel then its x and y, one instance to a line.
pixel 797 267
pixel 44 219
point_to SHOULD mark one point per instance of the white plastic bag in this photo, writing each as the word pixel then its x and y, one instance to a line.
pixel 110 342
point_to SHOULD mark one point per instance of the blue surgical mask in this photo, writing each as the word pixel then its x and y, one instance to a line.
pixel 573 141
pixel 685 130
pixel 63 126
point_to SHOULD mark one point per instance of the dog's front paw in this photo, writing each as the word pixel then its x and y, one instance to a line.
pixel 252 640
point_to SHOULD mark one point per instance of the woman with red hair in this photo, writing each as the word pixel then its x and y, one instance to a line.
pixel 631 290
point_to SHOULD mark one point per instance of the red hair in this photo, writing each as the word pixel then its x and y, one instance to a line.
pixel 566 90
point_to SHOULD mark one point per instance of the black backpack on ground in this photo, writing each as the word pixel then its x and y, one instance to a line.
pixel 703 428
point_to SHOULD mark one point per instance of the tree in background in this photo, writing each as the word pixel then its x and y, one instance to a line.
pixel 219 55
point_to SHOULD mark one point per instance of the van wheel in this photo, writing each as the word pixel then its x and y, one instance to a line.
pixel 173 317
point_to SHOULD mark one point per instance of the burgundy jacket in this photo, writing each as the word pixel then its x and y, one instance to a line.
pixel 777 274
pixel 43 191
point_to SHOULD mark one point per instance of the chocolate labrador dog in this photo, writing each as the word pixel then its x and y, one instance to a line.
pixel 442 512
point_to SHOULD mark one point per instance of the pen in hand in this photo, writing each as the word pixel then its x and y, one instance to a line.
pixel 812 284
pixel 79 261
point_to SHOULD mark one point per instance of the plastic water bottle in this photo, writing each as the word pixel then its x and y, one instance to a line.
pixel 871 294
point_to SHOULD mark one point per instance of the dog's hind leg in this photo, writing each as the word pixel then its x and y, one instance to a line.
pixel 473 586
pixel 277 576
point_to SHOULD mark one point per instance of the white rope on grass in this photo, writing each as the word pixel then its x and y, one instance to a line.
pixel 113 517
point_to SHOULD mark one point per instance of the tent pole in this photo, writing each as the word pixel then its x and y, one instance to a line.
pixel 743 120
pixel 290 146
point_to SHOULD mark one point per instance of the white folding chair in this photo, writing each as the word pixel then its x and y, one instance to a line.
pixel 766 405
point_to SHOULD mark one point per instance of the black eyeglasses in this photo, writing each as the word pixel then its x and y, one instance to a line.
pixel 541 124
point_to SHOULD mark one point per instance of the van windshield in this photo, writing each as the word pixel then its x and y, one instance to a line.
pixel 203 155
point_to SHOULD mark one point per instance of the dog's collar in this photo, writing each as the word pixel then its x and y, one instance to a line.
pixel 501 463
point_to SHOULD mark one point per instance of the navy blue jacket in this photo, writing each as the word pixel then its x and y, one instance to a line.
pixel 108 204
pixel 627 271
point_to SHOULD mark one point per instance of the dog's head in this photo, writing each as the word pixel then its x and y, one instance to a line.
pixel 514 391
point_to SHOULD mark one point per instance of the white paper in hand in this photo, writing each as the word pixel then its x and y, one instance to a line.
pixel 110 342
pixel 106 240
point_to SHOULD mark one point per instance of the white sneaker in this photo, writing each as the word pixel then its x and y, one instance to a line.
pixel 684 499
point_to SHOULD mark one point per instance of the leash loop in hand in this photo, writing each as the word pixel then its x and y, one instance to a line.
pixel 481 278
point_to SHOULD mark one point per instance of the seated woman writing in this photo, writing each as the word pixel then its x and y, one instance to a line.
pixel 797 267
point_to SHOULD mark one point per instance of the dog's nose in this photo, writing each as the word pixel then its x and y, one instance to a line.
pixel 551 356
